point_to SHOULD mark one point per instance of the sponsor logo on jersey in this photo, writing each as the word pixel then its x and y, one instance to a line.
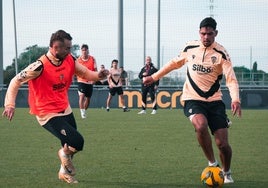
pixel 59 86
pixel 202 69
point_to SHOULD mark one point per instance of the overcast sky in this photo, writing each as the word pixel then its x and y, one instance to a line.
pixel 242 24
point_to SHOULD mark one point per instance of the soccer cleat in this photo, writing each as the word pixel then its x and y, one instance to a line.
pixel 228 178
pixel 66 162
pixel 126 109
pixel 67 177
pixel 229 122
pixel 83 115
pixel 153 112
pixel 142 112
pixel 107 109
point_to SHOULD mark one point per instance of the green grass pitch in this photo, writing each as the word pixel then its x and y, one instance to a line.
pixel 127 150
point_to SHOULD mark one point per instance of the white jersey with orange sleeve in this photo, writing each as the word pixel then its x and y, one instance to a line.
pixel 114 79
pixel 205 69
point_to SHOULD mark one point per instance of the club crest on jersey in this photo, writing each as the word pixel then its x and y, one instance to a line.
pixel 213 59
pixel 23 75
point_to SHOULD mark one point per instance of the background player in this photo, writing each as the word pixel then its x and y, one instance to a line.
pixel 115 86
pixel 148 70
pixel 85 87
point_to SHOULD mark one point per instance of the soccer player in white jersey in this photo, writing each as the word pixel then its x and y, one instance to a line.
pixel 207 61
pixel 115 86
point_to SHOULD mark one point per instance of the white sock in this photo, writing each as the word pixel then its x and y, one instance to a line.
pixel 62 170
pixel 228 172
pixel 213 164
pixel 62 153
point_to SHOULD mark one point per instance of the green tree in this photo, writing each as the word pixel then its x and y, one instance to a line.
pixel 31 54
pixel 242 73
pixel 255 71
pixel 75 48
pixel 255 67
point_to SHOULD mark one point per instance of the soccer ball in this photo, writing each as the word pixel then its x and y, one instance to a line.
pixel 212 177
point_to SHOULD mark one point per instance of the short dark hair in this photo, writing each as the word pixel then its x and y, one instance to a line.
pixel 84 46
pixel 59 35
pixel 115 60
pixel 208 22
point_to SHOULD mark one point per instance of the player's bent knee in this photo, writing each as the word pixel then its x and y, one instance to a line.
pixel 223 145
pixel 80 144
pixel 77 143
pixel 202 129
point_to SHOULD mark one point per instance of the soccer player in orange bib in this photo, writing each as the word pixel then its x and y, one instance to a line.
pixel 49 79
pixel 85 87
pixel 207 61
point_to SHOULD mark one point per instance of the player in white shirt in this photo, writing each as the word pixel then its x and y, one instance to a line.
pixel 115 86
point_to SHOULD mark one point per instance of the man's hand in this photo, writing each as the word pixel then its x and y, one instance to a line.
pixel 8 113
pixel 236 108
pixel 103 74
pixel 144 74
pixel 147 80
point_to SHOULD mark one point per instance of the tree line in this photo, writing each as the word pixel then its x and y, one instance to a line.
pixel 32 53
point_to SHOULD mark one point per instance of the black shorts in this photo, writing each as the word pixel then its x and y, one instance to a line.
pixel 213 111
pixel 65 129
pixel 86 89
pixel 114 90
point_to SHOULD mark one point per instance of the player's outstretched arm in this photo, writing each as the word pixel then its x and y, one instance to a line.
pixel 11 95
pixel 103 74
pixel 148 80
pixel 87 74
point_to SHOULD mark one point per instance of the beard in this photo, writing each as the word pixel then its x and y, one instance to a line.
pixel 60 57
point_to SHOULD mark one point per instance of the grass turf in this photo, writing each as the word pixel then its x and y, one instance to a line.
pixel 128 150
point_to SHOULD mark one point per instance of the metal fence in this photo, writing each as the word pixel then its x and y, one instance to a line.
pixel 176 79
